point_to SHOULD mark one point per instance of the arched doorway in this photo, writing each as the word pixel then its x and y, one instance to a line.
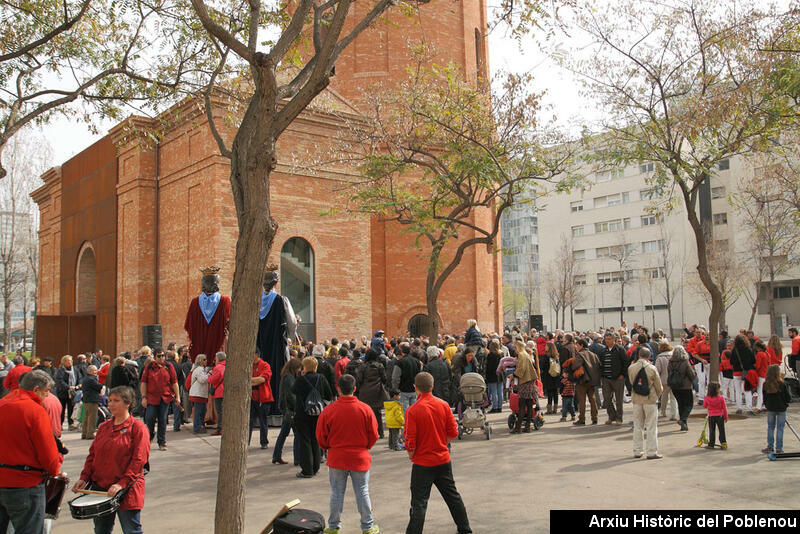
pixel 297 282
pixel 420 325
pixel 86 280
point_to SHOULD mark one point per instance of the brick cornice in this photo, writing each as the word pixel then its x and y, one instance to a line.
pixel 51 178
pixel 136 129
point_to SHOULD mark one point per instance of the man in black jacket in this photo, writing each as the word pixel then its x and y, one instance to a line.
pixel 403 374
pixel 613 366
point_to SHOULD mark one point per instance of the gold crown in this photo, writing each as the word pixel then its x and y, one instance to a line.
pixel 271 267
pixel 210 270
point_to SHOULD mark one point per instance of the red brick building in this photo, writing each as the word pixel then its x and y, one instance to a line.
pixel 125 226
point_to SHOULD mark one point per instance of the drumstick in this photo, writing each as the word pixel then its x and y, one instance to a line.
pixel 93 492
pixel 286 507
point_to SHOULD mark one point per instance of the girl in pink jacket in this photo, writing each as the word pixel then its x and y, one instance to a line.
pixel 717 415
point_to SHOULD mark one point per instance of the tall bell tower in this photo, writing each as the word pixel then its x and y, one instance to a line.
pixel 455 30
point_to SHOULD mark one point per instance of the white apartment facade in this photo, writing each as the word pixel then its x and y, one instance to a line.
pixel 618 240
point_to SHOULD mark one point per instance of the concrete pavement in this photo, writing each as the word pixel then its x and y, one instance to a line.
pixel 509 484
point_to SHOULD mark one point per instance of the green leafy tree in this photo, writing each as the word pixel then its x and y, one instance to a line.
pixel 87 59
pixel 444 159
pixel 684 88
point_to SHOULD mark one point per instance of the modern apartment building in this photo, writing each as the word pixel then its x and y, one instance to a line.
pixel 521 277
pixel 623 242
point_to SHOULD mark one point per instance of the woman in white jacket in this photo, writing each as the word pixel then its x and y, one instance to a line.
pixel 198 392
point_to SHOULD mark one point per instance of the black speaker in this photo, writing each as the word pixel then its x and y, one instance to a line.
pixel 537 322
pixel 151 336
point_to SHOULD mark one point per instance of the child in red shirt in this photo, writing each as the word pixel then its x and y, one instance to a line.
pixel 762 363
pixel 717 415
pixel 567 393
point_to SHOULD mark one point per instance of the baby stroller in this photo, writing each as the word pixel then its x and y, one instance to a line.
pixel 513 403
pixel 472 405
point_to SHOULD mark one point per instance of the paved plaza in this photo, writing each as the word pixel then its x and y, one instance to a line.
pixel 509 484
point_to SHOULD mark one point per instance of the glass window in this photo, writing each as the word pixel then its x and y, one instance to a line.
pixel 600 202
pixel 576 206
pixel 577 231
pixel 614 200
pixel 646 167
pixel 626 197
pixel 297 277
pixel 718 192
pixel 580 280
pixel 724 164
pixel 578 254
pixel 720 218
pixel 652 246
pixel 648 220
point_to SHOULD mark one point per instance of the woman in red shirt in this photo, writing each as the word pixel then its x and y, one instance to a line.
pixel 762 363
pixel 116 462
pixel 726 372
pixel 775 350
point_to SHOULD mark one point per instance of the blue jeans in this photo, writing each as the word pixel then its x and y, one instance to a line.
pixel 175 408
pixel 775 423
pixel 567 407
pixel 198 415
pixel 258 417
pixel 153 412
pixel 278 451
pixel 360 480
pixel 408 399
pixel 23 508
pixel 129 520
pixel 496 394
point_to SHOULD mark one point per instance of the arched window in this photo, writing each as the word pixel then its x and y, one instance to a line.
pixel 420 325
pixel 86 280
pixel 297 281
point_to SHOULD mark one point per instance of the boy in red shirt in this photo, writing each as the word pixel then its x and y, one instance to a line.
pixel 430 426
pixel 260 399
pixel 347 429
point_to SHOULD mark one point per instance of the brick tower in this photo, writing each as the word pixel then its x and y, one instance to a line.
pixel 455 31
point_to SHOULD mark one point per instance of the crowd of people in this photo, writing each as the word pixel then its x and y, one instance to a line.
pixel 339 397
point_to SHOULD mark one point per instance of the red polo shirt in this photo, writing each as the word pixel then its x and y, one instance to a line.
pixel 429 424
pixel 348 430
pixel 263 392
pixel 795 346
pixel 12 378
pixel 159 380
pixel 26 439
pixel 124 449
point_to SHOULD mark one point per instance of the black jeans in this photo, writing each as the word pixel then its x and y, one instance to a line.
pixel 684 398
pixel 23 508
pixel 714 422
pixel 422 477
pixel 377 412
pixel 305 431
pixel 258 416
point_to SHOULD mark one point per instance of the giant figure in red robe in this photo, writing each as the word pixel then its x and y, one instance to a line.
pixel 207 318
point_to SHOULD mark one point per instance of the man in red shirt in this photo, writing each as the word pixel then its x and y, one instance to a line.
pixel 25 421
pixel 159 386
pixel 12 378
pixel 261 399
pixel 430 426
pixel 793 335
pixel 347 429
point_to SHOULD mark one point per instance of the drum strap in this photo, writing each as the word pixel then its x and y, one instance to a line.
pixel 23 468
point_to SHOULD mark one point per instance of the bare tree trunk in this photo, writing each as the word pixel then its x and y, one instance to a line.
pixel 621 301
pixel 754 307
pixel 7 290
pixel 771 301
pixel 253 145
pixel 571 319
pixel 563 319
pixel 708 282
pixel 669 307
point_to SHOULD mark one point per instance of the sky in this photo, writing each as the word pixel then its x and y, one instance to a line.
pixel 562 97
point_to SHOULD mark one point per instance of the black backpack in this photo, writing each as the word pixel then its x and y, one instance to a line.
pixel 314 403
pixel 641 386
pixel 674 378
